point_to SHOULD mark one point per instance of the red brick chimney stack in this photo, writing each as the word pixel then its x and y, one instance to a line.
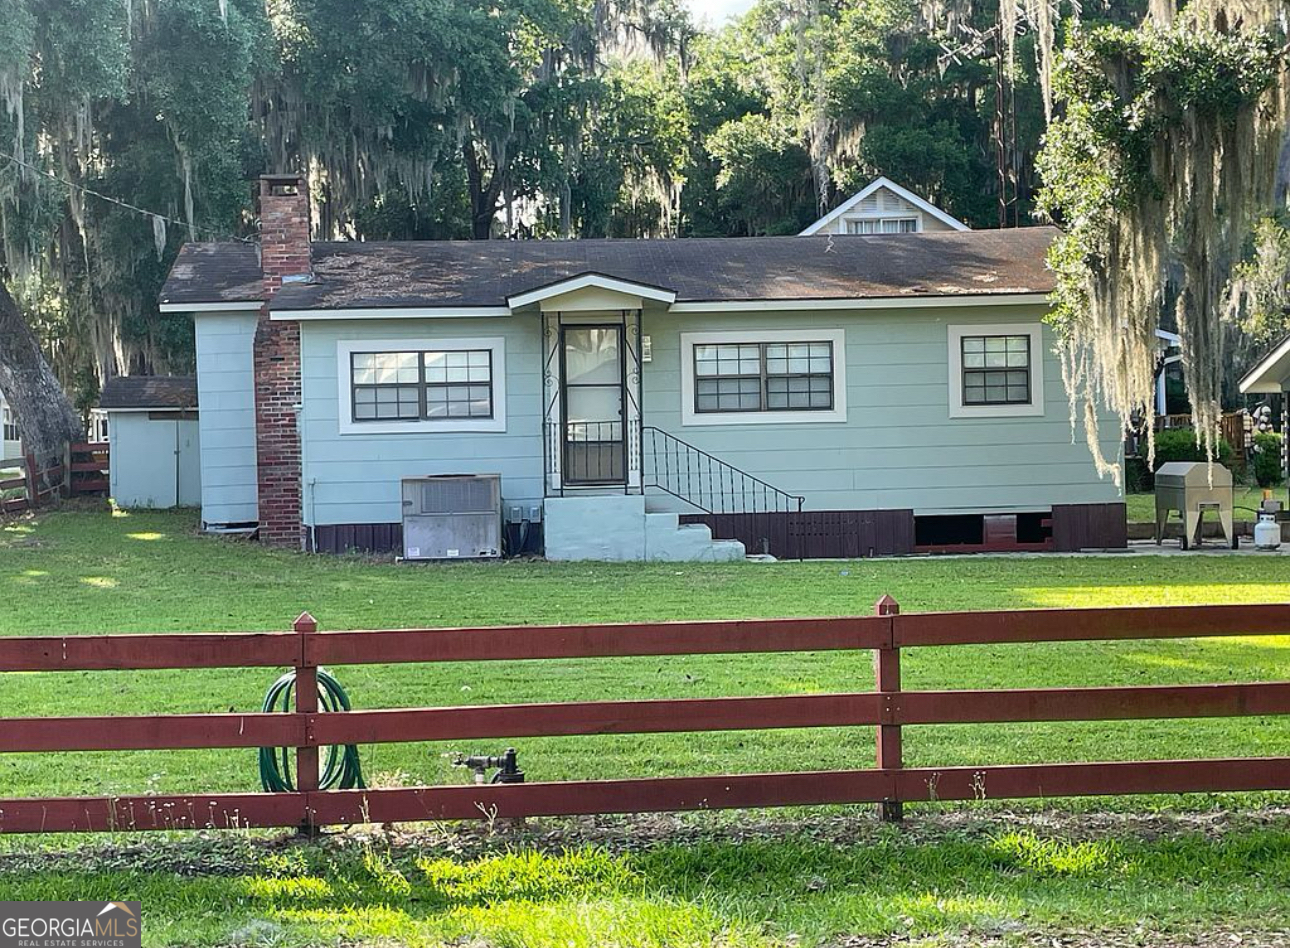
pixel 284 258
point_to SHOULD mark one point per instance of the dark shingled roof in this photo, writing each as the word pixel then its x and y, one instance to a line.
pixel 224 272
pixel 350 275
pixel 149 391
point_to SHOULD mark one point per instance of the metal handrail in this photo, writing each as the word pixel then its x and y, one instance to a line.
pixel 731 483
pixel 600 454
pixel 708 483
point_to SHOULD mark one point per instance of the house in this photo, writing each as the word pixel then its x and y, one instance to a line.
pixel 1271 376
pixel 884 207
pixel 10 438
pixel 153 428
pixel 640 397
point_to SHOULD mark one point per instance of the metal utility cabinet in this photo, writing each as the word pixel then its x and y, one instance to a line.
pixel 455 516
pixel 1193 488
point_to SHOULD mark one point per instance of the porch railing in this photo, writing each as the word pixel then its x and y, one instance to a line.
pixel 739 505
pixel 735 504
pixel 588 454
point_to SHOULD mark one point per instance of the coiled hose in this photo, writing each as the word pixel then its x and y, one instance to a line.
pixel 340 767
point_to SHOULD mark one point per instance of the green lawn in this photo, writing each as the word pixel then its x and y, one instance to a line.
pixel 82 572
pixel 77 572
pixel 1142 507
pixel 812 883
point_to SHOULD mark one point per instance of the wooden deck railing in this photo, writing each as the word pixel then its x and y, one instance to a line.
pixel 889 709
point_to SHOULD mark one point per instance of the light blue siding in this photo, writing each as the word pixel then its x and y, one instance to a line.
pixel 899 447
pixel 355 478
pixel 226 396
pixel 154 460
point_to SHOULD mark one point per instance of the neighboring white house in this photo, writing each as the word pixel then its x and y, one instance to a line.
pixel 884 207
pixel 152 424
pixel 10 442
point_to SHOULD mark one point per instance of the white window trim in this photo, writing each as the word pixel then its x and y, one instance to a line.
pixel 879 221
pixel 344 382
pixel 1037 357
pixel 690 417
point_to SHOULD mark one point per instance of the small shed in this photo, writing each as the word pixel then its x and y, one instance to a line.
pixel 152 427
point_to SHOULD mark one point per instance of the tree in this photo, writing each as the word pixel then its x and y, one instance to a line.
pixel 1170 149
pixel 143 103
pixel 47 417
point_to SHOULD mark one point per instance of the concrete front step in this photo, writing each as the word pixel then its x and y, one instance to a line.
pixel 618 529
pixel 667 540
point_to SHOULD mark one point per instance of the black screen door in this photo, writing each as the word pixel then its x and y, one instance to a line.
pixel 591 360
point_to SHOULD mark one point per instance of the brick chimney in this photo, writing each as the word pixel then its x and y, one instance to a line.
pixel 284 258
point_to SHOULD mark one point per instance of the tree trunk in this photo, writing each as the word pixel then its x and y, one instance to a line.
pixel 45 416
pixel 483 195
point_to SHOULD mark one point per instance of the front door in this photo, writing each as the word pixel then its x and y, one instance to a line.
pixel 594 449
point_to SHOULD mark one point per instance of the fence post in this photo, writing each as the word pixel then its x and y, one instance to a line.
pixel 33 482
pixel 886 667
pixel 66 490
pixel 306 703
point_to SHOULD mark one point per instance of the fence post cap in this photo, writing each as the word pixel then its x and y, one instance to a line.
pixel 305 623
pixel 886 606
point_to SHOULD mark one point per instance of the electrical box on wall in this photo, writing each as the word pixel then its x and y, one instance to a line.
pixel 647 349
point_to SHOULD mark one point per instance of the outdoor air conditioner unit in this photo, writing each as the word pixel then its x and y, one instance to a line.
pixel 453 516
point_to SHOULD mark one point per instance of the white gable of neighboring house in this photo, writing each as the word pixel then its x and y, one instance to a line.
pixel 884 207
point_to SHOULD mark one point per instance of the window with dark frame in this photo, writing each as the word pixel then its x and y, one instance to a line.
pixel 996 370
pixel 422 385
pixel 763 377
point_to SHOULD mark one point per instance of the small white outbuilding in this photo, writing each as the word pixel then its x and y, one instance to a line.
pixel 152 428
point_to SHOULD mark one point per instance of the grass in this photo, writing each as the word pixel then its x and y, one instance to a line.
pixel 150 572
pixel 79 572
pixel 1142 507
pixel 792 885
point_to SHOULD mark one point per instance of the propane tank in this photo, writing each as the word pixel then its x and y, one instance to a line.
pixel 1267 533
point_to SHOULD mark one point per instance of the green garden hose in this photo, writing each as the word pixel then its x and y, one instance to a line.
pixel 340 768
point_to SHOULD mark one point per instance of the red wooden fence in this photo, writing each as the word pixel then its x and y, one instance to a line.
pixel 888 709
pixel 87 465
pixel 84 470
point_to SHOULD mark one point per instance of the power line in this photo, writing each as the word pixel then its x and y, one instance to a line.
pixel 152 215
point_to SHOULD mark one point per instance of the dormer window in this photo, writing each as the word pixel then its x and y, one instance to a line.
pixel 884 225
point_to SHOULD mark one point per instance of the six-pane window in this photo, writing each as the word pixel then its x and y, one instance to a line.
pixel 996 370
pixel 766 376
pixel 427 385
pixel 10 423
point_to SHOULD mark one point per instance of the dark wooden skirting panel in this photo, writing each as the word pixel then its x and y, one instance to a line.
pixel 816 534
pixel 388 538
pixel 1089 526
pixel 357 538
pixel 811 534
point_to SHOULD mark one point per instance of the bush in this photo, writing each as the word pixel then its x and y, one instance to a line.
pixel 1179 444
pixel 1137 478
pixel 1267 459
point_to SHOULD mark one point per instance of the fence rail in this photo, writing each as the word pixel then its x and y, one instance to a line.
pixel 889 708
pixel 26 485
